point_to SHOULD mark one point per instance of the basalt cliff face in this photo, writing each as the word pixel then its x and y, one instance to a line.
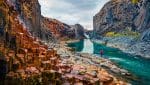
pixel 29 14
pixel 42 27
pixel 118 15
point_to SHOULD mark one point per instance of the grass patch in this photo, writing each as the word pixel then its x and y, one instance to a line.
pixel 125 33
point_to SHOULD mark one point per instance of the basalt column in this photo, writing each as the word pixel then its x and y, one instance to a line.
pixel 36 15
pixel 31 14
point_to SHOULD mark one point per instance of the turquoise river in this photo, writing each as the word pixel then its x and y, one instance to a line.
pixel 135 64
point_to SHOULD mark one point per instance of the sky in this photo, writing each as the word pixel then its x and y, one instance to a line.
pixel 72 11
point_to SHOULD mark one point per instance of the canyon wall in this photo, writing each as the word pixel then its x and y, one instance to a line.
pixel 125 25
pixel 119 15
pixel 29 13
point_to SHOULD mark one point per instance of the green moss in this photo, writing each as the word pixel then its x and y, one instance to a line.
pixel 126 33
pixel 135 1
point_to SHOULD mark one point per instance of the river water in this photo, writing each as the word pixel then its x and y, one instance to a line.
pixel 136 65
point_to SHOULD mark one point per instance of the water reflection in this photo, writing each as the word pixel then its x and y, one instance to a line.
pixel 78 45
pixel 88 46
pixel 84 46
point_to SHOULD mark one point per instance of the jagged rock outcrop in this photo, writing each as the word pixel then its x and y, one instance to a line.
pixel 58 29
pixel 44 28
pixel 118 15
pixel 30 14
pixel 79 31
pixel 142 21
pixel 146 36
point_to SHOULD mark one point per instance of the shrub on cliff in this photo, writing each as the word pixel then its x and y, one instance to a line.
pixel 135 1
pixel 125 33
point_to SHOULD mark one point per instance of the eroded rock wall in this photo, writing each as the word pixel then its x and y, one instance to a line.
pixel 118 15
pixel 79 31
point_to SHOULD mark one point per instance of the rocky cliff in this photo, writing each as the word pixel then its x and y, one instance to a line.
pixel 118 15
pixel 125 25
pixel 57 28
pixel 78 30
pixel 39 26
pixel 29 13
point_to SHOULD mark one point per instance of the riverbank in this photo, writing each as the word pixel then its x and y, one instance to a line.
pixel 121 59
pixel 127 44
pixel 86 60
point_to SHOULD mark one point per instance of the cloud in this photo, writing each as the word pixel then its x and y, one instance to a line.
pixel 72 11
